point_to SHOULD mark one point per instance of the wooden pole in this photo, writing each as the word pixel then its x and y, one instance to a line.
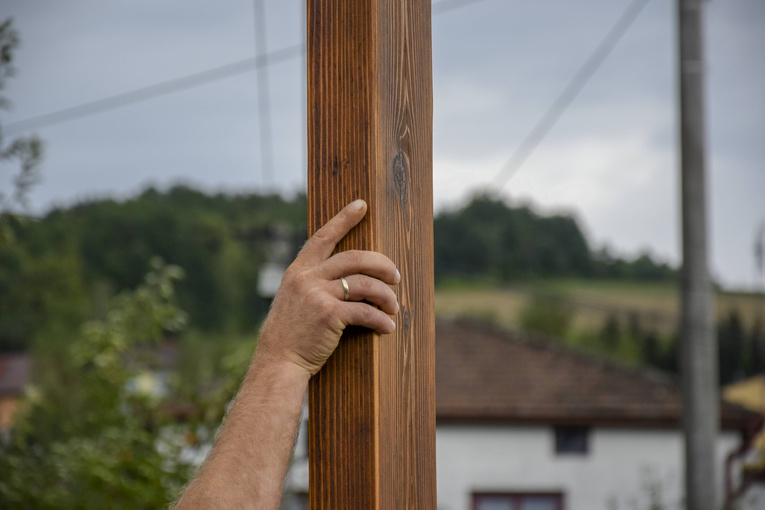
pixel 372 407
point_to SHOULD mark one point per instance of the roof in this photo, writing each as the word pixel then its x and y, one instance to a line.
pixel 14 373
pixel 487 374
pixel 749 393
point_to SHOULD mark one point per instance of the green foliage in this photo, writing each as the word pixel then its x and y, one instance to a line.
pixel 105 444
pixel 632 338
pixel 652 352
pixel 641 268
pixel 547 314
pixel 611 333
pixel 741 350
pixel 30 288
pixel 26 152
pixel 219 240
pixel 487 238
pixel 38 295
pixel 209 372
pixel 732 343
pixel 756 363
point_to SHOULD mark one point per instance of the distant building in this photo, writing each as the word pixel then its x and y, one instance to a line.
pixel 525 424
pixel 14 377
pixel 283 243
pixel 750 393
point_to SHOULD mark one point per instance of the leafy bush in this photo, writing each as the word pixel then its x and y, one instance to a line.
pixel 547 314
pixel 106 444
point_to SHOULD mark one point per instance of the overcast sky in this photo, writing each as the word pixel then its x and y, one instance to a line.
pixel 611 159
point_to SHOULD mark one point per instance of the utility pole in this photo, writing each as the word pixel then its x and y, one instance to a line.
pixel 697 329
pixel 264 99
pixel 371 426
pixel 759 260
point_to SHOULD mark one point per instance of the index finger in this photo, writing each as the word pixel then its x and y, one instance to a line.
pixel 321 245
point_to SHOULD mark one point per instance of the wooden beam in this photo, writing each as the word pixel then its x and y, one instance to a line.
pixel 372 407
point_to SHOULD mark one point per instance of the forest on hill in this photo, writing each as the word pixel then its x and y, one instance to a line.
pixel 61 269
pixel 488 239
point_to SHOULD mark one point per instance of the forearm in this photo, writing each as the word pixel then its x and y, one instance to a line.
pixel 247 466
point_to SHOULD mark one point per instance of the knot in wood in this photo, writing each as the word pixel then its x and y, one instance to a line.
pixel 400 177
pixel 407 319
pixel 338 165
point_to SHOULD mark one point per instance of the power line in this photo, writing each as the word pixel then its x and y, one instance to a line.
pixel 566 97
pixel 191 81
pixel 156 90
pixel 450 5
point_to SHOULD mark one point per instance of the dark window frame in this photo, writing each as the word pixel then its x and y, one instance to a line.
pixel 572 440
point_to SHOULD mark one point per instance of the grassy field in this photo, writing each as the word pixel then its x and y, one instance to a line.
pixel 590 301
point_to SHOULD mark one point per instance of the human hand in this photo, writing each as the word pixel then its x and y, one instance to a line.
pixel 310 311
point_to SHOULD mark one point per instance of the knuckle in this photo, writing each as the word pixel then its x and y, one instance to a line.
pixel 299 279
pixel 367 285
pixel 321 236
pixel 368 314
pixel 289 275
pixel 326 308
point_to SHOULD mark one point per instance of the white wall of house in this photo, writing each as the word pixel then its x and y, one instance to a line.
pixel 619 472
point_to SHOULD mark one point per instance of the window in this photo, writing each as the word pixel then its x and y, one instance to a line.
pixel 572 440
pixel 517 501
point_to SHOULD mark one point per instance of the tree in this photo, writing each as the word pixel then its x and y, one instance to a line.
pixel 219 240
pixel 487 238
pixel 101 442
pixel 756 364
pixel 39 296
pixel 611 332
pixel 731 343
pixel 26 152
pixel 36 292
pixel 547 314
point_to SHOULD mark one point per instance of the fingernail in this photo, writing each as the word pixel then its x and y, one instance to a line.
pixel 393 324
pixel 398 276
pixel 357 205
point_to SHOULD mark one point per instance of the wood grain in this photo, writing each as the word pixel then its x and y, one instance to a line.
pixel 372 407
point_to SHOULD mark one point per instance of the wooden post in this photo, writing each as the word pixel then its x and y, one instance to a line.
pixel 372 407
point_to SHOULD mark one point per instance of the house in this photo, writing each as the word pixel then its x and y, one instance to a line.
pixel 14 377
pixel 525 423
pixel 520 419
pixel 750 393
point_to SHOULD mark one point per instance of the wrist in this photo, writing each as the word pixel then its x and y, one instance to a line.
pixel 275 350
pixel 277 367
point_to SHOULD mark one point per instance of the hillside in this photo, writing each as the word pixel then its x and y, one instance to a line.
pixel 62 268
pixel 490 240
pixel 636 322
pixel 656 303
